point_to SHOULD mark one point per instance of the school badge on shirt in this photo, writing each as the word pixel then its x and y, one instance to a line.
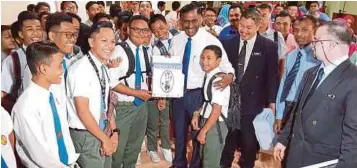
pixel 3 140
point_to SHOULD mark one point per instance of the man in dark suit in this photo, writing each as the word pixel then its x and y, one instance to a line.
pixel 325 124
pixel 255 60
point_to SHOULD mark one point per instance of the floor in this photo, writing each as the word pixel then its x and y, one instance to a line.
pixel 265 160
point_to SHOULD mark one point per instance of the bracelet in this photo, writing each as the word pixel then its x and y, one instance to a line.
pixel 196 113
pixel 115 130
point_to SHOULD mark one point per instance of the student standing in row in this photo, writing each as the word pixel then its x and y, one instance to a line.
pixel 87 90
pixel 8 159
pixel 41 128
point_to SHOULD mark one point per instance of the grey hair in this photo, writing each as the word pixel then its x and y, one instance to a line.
pixel 339 30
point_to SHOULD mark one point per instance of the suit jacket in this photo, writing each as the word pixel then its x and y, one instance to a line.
pixel 325 126
pixel 259 84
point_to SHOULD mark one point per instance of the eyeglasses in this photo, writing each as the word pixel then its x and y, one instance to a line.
pixel 138 30
pixel 313 42
pixel 210 15
pixel 189 22
pixel 70 8
pixel 69 35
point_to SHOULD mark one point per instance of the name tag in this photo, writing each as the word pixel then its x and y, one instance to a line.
pixel 256 54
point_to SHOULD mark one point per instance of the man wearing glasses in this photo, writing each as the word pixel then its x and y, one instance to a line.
pixel 210 19
pixel 189 45
pixel 132 91
pixel 297 63
pixel 325 127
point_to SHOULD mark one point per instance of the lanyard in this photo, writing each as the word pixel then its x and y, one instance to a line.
pixel 101 80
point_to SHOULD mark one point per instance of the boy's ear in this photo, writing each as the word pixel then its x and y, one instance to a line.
pixel 41 69
pixel 90 42
pixel 51 36
pixel 21 35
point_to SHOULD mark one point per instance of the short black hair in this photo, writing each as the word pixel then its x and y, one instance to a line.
pixel 145 1
pixel 63 2
pixel 100 15
pixel 31 7
pixel 56 19
pixel 265 6
pixel 283 14
pixel 114 10
pixel 217 51
pixel 101 3
pixel 252 14
pixel 138 17
pixel 308 3
pixel 188 8
pixel 26 15
pixel 122 21
pixel 211 9
pixel 39 4
pixel 74 16
pixel 98 25
pixel 15 28
pixel 42 14
pixel 233 6
pixel 307 18
pixel 5 27
pixel 89 4
pixel 292 3
pixel 339 30
pixel 40 53
pixel 156 18
pixel 160 4
pixel 176 5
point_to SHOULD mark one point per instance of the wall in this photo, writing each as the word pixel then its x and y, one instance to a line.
pixel 335 6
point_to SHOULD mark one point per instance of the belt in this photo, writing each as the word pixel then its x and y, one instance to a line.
pixel 192 90
pixel 76 129
pixel 125 103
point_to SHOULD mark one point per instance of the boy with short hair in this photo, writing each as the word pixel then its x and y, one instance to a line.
pixel 208 119
pixel 40 125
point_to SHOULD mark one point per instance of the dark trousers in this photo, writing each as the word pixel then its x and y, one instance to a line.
pixel 248 141
pixel 231 145
pixel 182 111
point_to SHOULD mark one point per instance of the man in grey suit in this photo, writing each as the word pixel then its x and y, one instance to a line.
pixel 324 127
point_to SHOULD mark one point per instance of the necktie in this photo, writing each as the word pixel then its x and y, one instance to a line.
pixel 320 74
pixel 62 151
pixel 291 78
pixel 186 60
pixel 241 61
pixel 64 65
pixel 3 163
pixel 102 118
pixel 169 42
pixel 137 101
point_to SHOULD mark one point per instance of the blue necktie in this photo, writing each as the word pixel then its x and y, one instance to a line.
pixel 62 151
pixel 102 119
pixel 169 42
pixel 64 65
pixel 186 60
pixel 291 78
pixel 3 163
pixel 137 101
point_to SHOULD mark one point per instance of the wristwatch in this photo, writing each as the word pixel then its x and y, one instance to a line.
pixel 116 130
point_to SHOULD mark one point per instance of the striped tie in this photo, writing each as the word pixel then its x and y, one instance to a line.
pixel 291 78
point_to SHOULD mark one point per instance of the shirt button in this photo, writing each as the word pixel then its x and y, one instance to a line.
pixel 314 122
pixel 251 93
pixel 293 135
pixel 257 77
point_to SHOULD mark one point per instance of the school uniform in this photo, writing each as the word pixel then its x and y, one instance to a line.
pixel 153 113
pixel 131 113
pixel 216 28
pixel 7 153
pixel 282 48
pixel 82 81
pixel 190 49
pixel 41 129
pixel 212 149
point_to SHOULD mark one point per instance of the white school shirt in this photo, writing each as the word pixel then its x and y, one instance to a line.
pixel 8 76
pixel 82 81
pixel 156 50
pixel 248 51
pixel 6 150
pixel 199 41
pixel 120 71
pixel 216 28
pixel 220 97
pixel 36 141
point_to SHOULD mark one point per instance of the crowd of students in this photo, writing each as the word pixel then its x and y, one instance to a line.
pixel 77 93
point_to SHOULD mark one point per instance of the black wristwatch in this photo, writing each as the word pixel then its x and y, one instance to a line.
pixel 116 130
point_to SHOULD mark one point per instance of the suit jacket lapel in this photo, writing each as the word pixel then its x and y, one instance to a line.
pixel 326 87
pixel 251 62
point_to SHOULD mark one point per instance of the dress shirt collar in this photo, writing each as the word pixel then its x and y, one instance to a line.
pixel 329 68
pixel 212 72
pixel 249 42
pixel 197 35
pixel 40 91
pixel 307 50
pixel 268 32
pixel 97 62
pixel 132 45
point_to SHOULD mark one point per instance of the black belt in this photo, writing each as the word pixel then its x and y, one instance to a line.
pixel 192 90
pixel 76 129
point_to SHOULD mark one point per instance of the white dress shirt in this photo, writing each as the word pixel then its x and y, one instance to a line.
pixel 329 68
pixel 171 16
pixel 199 41
pixel 158 11
pixel 36 141
pixel 82 81
pixel 6 150
pixel 8 76
pixel 156 50
pixel 248 51
pixel 120 71
pixel 282 48
pixel 88 23
pixel 216 28
pixel 220 97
